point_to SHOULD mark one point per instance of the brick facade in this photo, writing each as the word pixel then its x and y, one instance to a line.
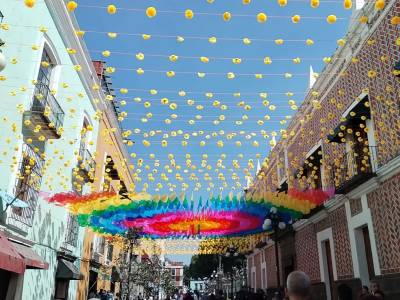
pixel 306 243
pixel 376 53
pixel 384 203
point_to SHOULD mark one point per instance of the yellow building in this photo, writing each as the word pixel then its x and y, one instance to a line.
pixel 112 173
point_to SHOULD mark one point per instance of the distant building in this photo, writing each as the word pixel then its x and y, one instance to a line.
pixel 197 284
pixel 176 270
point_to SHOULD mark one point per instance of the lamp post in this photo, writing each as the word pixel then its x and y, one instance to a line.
pixel 232 251
pixel 275 221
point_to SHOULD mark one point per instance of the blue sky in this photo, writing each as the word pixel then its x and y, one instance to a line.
pixel 171 24
pixel 131 19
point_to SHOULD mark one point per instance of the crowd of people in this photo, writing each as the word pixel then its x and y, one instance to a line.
pixel 298 287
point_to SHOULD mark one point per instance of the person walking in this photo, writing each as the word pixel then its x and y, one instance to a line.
pixel 298 286
pixel 376 290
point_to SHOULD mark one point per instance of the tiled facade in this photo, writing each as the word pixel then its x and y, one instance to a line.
pixel 362 68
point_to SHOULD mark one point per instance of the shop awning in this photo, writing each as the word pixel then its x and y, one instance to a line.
pixel 67 270
pixel 32 260
pixel 10 259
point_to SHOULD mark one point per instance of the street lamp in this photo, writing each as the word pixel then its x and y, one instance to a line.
pixel 275 221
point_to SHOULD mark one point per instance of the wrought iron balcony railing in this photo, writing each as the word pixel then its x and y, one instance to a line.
pixel 86 164
pixel 46 111
pixel 354 168
pixel 27 184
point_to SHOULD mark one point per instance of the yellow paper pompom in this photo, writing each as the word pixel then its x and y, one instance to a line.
pixel 309 42
pixel 71 6
pixel 262 18
pixel 379 4
pixel 204 59
pixel 395 20
pixel 331 19
pixel 112 35
pixel 230 75
pixel 246 2
pixel 296 19
pixel 236 61
pixel 80 33
pixel 151 12
pixel 170 73
pixel 106 53
pixel 341 42
pixel 314 3
pixel 267 60
pixel 226 16
pixel 30 3
pixel 282 3
pixel 279 41
pixel 189 14
pixel 111 9
pixel 146 36
pixel 140 56
pixel 347 4
pixel 173 58
pixel 246 41
pixel 212 40
pixel 363 19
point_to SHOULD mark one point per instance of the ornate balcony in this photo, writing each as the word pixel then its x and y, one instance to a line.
pixel 45 113
pixel 354 168
pixel 86 164
pixel 27 184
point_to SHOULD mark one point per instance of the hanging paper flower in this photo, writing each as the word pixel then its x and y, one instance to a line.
pixel 30 3
pixel 170 73
pixel 296 19
pixel 71 6
pixel 140 71
pixel 173 58
pixel 296 60
pixel 201 74
pixel 189 14
pixel 314 3
pixel 246 41
pixel 236 61
pixel 262 18
pixel 106 53
pixel 331 19
pixel 230 75
pixel 267 60
pixel 180 39
pixel 111 9
pixel 341 42
pixel 379 4
pixel 226 16
pixel 347 4
pixel 212 40
pixel 140 56
pixel 282 3
pixel 151 12
pixel 395 20
pixel 279 41
pixel 146 36
pixel 204 59
pixel 246 2
pixel 112 35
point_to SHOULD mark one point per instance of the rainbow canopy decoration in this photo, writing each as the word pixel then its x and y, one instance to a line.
pixel 171 217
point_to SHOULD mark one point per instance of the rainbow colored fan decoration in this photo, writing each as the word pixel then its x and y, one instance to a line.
pixel 171 217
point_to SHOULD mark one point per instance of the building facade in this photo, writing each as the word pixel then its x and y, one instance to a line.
pixel 100 268
pixel 50 112
pixel 176 270
pixel 345 139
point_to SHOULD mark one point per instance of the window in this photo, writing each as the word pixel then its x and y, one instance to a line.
pixel 28 182
pixel 310 175
pixel 110 250
pixel 359 162
pixel 282 167
pixel 72 231
pixel 173 272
